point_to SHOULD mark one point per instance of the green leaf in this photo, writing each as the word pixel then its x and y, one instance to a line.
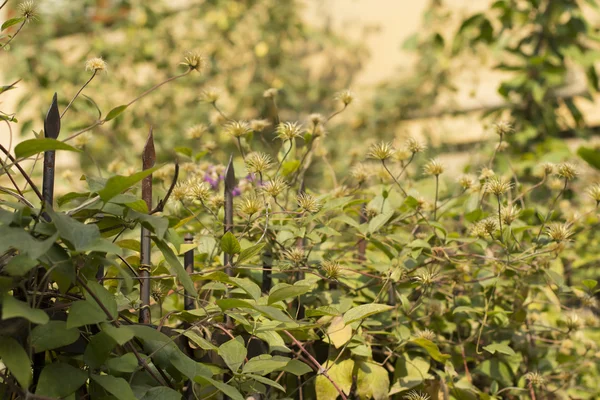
pixel 266 381
pixel 372 381
pixel 126 363
pixel 364 311
pixel 287 292
pixel 500 348
pixel 117 184
pixel 265 364
pixel 84 312
pixel 30 147
pixel 79 235
pixel 248 286
pixel 10 22
pixel 297 368
pixel 199 340
pixel 58 380
pixel 118 387
pixel 175 266
pixel 379 221
pixel 161 393
pixel 339 333
pixel 229 244
pixel 222 387
pixel 105 297
pixel 431 348
pixel 250 252
pixel 52 335
pixel 233 353
pixel 13 308
pixel 341 374
pixel 15 358
pixel 590 283
pixel 120 335
pixel 589 155
pixel 115 112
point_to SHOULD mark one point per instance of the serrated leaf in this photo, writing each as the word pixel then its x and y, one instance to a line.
pixel 229 244
pixel 13 308
pixel 15 358
pixel 250 252
pixel 233 353
pixel 364 311
pixel 115 112
pixel 52 335
pixel 59 380
pixel 31 147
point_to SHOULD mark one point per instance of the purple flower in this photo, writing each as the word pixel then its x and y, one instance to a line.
pixel 236 191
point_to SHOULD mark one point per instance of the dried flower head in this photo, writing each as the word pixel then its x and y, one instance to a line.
pixel 573 322
pixel 258 163
pixel 180 192
pixel 194 61
pixel 426 334
pixel 295 255
pixel 486 173
pixel 200 191
pixel 467 181
pixel 414 146
pixel 308 203
pixel 566 170
pixel 381 151
pixel 535 379
pixel 210 95
pixel 497 186
pixel 249 205
pixel 289 130
pixel 433 168
pixel 237 129
pixel 28 10
pixel 414 395
pixel 209 145
pixel 547 168
pixel 503 128
pixel 270 93
pixel 359 172
pixel 509 214
pixel 259 125
pixel 331 269
pixel 160 288
pixel 345 96
pixel 217 201
pixel 95 64
pixel 594 192
pixel 196 131
pixel 275 186
pixel 559 232
pixel 316 119
pixel 489 225
pixel 425 277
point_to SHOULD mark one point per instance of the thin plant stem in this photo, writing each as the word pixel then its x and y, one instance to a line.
pixel 16 33
pixel 78 93
pixel 284 157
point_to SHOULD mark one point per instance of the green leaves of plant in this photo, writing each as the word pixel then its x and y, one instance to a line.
pixel 52 335
pixel 229 244
pixel 500 348
pixel 233 353
pixel 58 380
pixel 13 308
pixel 115 112
pixel 286 292
pixel 431 348
pixel 118 387
pixel 16 360
pixel 119 183
pixel 175 265
pixel 589 155
pixel 250 252
pixel 372 381
pixel 364 311
pixel 31 147
pixel 10 22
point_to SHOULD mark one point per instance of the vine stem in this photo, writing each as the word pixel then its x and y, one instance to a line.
pixel 320 368
pixel 284 157
pixel 78 93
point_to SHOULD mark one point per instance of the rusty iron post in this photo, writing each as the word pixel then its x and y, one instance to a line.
pixel 228 218
pixel 51 131
pixel 188 261
pixel 267 279
pixel 148 161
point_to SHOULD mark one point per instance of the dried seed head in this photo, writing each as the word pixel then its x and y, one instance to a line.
pixel 509 214
pixel 194 61
pixel 486 173
pixel 503 128
pixel 426 334
pixel 316 119
pixel 196 131
pixel 217 201
pixel 594 192
pixel 381 151
pixel 340 191
pixel 210 95
pixel 180 192
pixel 359 172
pixel 566 170
pixel 535 379
pixel 250 205
pixel 345 96
pixel 275 186
pixel 295 255
pixel 433 168
pixel 467 181
pixel 331 269
pixel 547 168
pixel 95 64
pixel 414 146
pixel 414 395
pixel 200 191
pixel 210 145
pixel 489 225
pixel 270 93
pixel 425 277
pixel 559 232
pixel 237 129
pixel 289 130
pixel 308 203
pixel 259 125
pixel 497 186
pixel 258 163
pixel 573 322
pixel 402 155
pixel 28 10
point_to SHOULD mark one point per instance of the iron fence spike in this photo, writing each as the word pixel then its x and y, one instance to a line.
pixel 52 121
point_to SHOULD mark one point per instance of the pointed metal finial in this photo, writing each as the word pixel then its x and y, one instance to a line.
pixel 229 176
pixel 149 153
pixel 52 121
